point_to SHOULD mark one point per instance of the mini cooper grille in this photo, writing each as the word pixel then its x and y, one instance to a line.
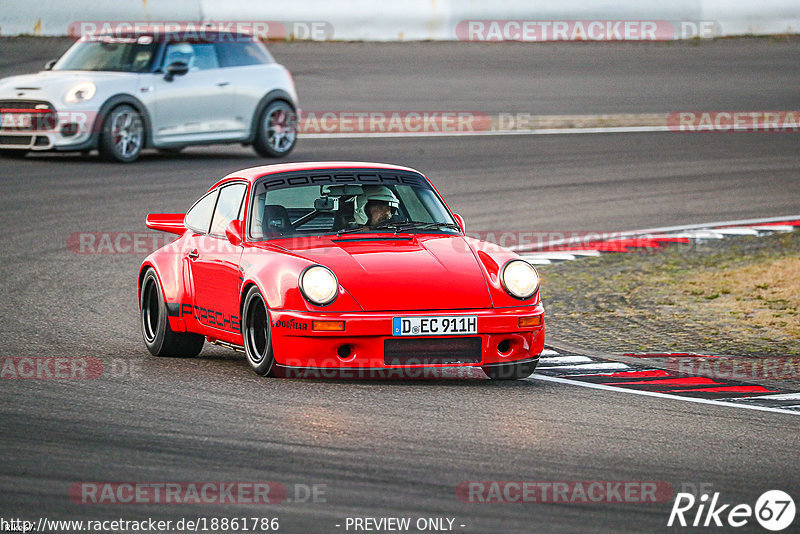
pixel 430 351
pixel 26 116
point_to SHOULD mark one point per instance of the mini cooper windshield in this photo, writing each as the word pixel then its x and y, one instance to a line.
pixel 114 54
pixel 287 211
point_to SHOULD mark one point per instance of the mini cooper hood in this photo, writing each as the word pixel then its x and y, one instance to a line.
pixel 386 272
pixel 61 81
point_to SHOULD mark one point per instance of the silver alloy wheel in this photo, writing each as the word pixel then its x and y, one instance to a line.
pixel 127 132
pixel 280 125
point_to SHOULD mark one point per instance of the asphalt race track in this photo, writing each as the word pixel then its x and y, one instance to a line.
pixel 390 448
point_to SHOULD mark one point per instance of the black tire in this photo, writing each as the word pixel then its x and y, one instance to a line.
pixel 510 371
pixel 12 153
pixel 122 136
pixel 159 338
pixel 276 130
pixel 256 333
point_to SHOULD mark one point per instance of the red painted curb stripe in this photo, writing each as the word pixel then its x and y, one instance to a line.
pixel 687 381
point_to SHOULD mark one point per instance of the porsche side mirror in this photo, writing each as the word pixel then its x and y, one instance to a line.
pixel 460 221
pixel 178 68
pixel 234 232
pixel 49 64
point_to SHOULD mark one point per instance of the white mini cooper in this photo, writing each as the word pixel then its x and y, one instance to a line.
pixel 120 94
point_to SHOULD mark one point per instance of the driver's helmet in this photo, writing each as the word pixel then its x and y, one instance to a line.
pixel 373 192
pixel 182 52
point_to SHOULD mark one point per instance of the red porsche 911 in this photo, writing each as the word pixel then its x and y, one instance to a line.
pixel 332 266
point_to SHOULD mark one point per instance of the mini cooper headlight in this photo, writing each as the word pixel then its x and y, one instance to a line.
pixel 318 285
pixel 519 279
pixel 80 93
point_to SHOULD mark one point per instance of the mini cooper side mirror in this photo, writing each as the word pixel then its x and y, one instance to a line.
pixel 460 221
pixel 49 64
pixel 178 68
pixel 234 232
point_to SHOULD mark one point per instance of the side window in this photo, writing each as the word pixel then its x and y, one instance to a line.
pixel 240 54
pixel 198 218
pixel 230 201
pixel 198 56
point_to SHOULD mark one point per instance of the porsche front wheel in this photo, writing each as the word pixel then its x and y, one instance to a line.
pixel 256 333
pixel 510 371
pixel 159 338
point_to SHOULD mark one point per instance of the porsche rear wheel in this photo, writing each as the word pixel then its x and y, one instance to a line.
pixel 256 333
pixel 510 371
pixel 159 338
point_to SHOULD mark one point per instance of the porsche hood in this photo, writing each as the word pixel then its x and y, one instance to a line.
pixel 402 272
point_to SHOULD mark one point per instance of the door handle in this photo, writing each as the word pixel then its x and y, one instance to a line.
pixel 193 254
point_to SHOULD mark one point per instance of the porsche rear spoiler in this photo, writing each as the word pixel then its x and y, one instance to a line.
pixel 166 222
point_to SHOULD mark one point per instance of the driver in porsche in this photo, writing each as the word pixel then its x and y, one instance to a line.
pixel 375 205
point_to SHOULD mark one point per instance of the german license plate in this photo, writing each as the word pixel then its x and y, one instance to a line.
pixel 15 121
pixel 435 326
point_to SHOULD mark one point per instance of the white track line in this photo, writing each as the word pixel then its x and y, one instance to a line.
pixel 661 395
pixel 542 131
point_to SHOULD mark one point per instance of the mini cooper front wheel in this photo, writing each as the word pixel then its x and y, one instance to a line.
pixel 277 130
pixel 510 371
pixel 159 338
pixel 256 333
pixel 122 137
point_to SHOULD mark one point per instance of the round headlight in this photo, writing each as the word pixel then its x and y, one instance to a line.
pixel 80 93
pixel 520 279
pixel 318 285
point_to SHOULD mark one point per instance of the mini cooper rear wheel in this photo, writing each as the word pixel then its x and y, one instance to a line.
pixel 122 137
pixel 510 371
pixel 256 333
pixel 277 130
pixel 159 338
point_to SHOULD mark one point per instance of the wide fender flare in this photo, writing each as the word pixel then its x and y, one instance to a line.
pixel 115 101
pixel 266 100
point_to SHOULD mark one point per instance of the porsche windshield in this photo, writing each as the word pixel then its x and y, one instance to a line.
pixel 351 208
pixel 117 54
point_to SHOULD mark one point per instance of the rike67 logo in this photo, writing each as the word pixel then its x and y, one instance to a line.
pixel 774 510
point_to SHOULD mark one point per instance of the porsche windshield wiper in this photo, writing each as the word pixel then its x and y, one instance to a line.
pixel 416 225
pixel 351 230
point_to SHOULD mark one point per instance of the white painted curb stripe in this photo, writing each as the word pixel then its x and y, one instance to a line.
pixel 587 366
pixel 565 359
pixel 779 396
pixel 661 395
pixel 671 231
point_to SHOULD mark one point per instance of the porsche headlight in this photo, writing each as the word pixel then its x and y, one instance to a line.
pixel 80 93
pixel 318 285
pixel 519 279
